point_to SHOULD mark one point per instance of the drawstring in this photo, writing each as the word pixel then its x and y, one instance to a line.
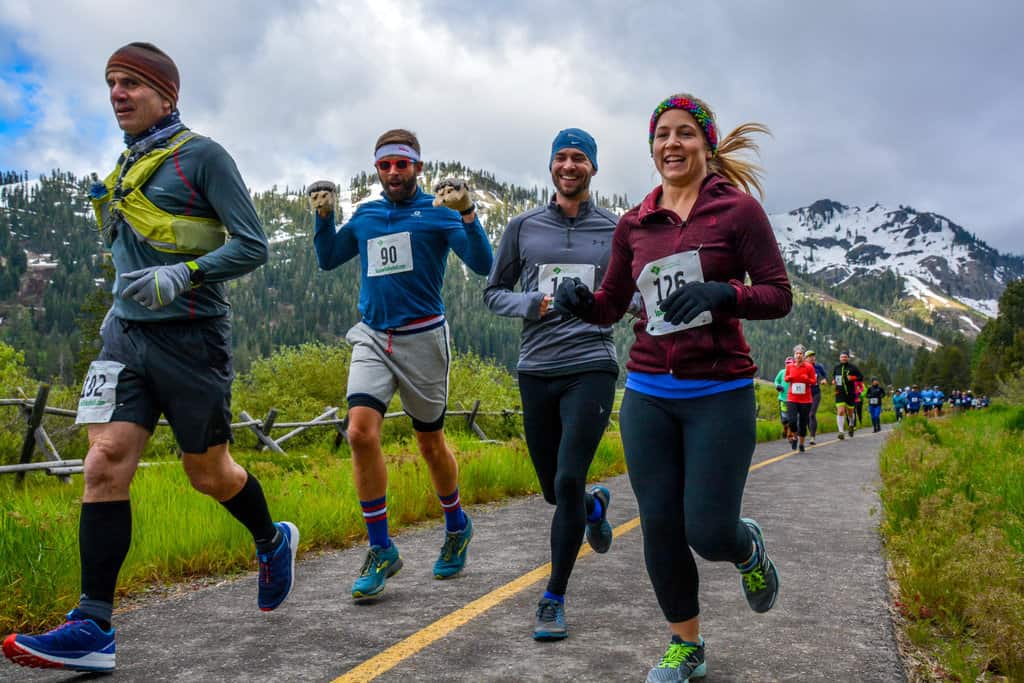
pixel 388 350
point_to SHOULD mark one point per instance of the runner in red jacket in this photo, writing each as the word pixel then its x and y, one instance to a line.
pixel 801 377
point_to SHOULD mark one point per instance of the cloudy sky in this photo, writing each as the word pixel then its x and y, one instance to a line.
pixel 916 103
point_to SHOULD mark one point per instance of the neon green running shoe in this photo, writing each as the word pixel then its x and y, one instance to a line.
pixel 759 577
pixel 453 553
pixel 380 565
pixel 683 661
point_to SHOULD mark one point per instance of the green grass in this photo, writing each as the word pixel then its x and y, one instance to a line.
pixel 953 497
pixel 178 533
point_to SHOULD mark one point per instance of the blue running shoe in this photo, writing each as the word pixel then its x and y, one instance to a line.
pixel 277 569
pixel 380 565
pixel 79 645
pixel 760 578
pixel 550 621
pixel 453 553
pixel 599 533
pixel 682 662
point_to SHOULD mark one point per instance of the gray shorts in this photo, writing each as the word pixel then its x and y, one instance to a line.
pixel 416 364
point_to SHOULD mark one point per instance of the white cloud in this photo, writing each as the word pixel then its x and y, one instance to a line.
pixel 913 104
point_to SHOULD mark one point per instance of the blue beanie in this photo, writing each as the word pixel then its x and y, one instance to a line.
pixel 578 138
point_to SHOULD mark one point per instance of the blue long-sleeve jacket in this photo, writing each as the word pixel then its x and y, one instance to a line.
pixel 389 301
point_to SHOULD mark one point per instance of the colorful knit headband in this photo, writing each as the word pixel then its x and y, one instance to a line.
pixel 702 115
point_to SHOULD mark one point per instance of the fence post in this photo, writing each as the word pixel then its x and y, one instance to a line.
pixel 268 424
pixel 471 422
pixel 264 439
pixel 35 418
pixel 342 429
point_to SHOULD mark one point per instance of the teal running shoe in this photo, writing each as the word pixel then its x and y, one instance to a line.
pixel 380 565
pixel 599 533
pixel 683 661
pixel 453 553
pixel 550 623
pixel 760 578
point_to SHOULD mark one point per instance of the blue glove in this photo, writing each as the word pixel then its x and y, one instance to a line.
pixel 573 298
pixel 693 298
pixel 157 286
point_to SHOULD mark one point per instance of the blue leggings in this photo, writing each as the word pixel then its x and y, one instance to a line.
pixel 688 461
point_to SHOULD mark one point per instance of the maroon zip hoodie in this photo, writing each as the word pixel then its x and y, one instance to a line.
pixel 735 240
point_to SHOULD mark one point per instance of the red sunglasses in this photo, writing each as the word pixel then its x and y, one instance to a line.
pixel 400 164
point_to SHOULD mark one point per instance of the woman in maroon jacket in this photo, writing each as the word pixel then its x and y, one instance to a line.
pixel 688 416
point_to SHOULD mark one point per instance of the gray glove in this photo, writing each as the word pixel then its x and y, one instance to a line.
pixel 157 286
pixel 323 196
pixel 454 194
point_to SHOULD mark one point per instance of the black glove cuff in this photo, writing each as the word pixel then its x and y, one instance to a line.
pixel 471 209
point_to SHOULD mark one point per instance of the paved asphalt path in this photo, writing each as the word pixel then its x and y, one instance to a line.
pixel 831 623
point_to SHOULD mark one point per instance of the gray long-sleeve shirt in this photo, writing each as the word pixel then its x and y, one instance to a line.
pixel 201 179
pixel 541 237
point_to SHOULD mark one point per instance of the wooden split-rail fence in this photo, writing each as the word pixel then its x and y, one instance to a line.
pixel 36 437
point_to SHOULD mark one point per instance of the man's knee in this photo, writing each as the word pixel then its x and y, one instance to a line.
pixel 214 473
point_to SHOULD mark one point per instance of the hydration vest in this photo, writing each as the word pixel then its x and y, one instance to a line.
pixel 124 202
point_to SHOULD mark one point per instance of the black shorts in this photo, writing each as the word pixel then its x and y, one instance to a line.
pixel 844 398
pixel 181 369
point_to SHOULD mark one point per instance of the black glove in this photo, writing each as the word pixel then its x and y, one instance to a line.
pixel 573 298
pixel 693 298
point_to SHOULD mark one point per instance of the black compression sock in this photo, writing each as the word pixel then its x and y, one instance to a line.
pixel 104 537
pixel 249 506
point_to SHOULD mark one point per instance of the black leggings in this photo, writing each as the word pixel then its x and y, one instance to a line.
pixel 688 461
pixel 800 416
pixel 812 424
pixel 564 419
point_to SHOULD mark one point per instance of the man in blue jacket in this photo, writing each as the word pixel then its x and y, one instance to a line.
pixel 402 341
pixel 165 212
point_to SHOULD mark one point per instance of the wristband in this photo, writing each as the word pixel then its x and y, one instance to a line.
pixel 471 209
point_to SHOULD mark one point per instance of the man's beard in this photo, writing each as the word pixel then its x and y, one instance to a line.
pixel 407 190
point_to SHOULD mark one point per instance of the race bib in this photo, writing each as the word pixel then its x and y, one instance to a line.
pixel 915 400
pixel 798 388
pixel 550 275
pixel 839 380
pixel 388 255
pixel 873 401
pixel 98 399
pixel 660 278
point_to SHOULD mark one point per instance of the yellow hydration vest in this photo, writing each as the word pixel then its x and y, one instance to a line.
pixel 166 232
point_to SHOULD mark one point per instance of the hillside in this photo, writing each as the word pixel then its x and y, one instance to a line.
pixel 55 287
pixel 944 275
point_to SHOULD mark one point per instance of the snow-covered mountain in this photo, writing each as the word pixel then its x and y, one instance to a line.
pixel 942 265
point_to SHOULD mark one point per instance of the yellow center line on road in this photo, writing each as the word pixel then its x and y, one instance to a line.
pixel 394 655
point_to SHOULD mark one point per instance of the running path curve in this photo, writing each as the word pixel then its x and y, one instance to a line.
pixel 819 513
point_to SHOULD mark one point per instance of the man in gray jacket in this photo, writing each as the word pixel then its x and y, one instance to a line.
pixel 567 368
pixel 179 223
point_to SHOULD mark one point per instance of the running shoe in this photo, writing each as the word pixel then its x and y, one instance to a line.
pixel 813 442
pixel 79 645
pixel 841 436
pixel 801 448
pixel 599 533
pixel 277 569
pixel 850 432
pixel 682 662
pixel 380 565
pixel 792 444
pixel 453 553
pixel 550 623
pixel 760 579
